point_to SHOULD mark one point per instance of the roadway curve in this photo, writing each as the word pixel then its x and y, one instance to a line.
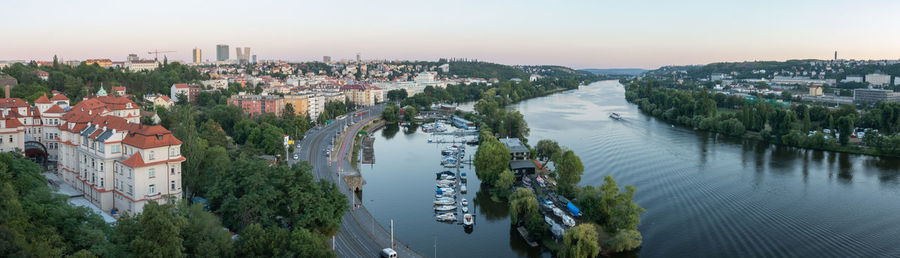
pixel 360 234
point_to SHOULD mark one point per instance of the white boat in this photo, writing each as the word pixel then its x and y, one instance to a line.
pixel 568 221
pixel 465 202
pixel 446 216
pixel 445 201
pixel 445 208
pixel 468 220
pixel 465 209
pixel 451 195
pixel 462 176
pixel 445 185
pixel 462 189
pixel 615 116
pixel 447 177
pixel 445 192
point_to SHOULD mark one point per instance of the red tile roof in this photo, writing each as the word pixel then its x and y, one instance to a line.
pixel 134 161
pixel 12 122
pixel 55 109
pixel 58 97
pixel 12 103
pixel 42 100
pixel 146 137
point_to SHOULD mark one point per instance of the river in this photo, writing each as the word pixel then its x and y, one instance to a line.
pixel 706 195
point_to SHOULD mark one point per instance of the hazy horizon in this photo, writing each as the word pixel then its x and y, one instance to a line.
pixel 591 34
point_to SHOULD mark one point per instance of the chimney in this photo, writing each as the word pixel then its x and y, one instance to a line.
pixel 6 90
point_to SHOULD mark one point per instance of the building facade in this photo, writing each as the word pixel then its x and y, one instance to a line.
pixel 198 55
pixel 871 96
pixel 258 104
pixel 362 94
pixel 188 90
pixel 117 163
pixel 878 79
pixel 221 52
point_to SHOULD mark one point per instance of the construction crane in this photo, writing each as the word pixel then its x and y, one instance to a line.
pixel 157 52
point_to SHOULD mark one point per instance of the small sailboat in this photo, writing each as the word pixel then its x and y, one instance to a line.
pixel 462 189
pixel 445 192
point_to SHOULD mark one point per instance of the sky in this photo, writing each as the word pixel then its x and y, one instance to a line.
pixel 578 34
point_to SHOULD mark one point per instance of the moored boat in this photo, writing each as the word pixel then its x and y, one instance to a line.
pixel 615 116
pixel 445 208
pixel 468 220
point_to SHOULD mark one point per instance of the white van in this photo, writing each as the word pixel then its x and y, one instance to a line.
pixel 388 253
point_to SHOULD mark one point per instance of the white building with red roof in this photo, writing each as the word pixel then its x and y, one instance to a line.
pixel 117 163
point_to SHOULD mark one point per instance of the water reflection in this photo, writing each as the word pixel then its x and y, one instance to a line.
pixel 390 130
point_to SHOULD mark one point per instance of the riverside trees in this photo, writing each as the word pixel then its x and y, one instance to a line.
pixel 789 126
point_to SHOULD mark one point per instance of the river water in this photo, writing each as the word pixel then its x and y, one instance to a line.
pixel 706 195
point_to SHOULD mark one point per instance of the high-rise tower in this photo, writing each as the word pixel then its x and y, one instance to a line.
pixel 198 55
pixel 221 52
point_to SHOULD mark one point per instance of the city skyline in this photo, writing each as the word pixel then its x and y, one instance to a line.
pixel 593 35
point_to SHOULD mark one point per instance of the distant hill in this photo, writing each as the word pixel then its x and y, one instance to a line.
pixel 616 71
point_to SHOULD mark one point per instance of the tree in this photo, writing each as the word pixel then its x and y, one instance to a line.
pixel 390 113
pixel 524 210
pixel 581 241
pixel 504 183
pixel 159 233
pixel 203 234
pixel 845 128
pixel 547 148
pixel 568 172
pixel 409 113
pixel 491 158
pixel 624 240
pixel 256 241
pixel 397 95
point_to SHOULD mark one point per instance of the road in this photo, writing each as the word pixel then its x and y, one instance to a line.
pixel 360 234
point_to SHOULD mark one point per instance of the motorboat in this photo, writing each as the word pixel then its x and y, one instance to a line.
pixel 448 177
pixel 446 181
pixel 465 209
pixel 445 192
pixel 464 202
pixel 568 221
pixel 445 208
pixel 615 116
pixel 446 184
pixel 462 189
pixel 468 220
pixel 446 216
pixel 445 201
pixel 446 172
pixel 451 195
pixel 462 176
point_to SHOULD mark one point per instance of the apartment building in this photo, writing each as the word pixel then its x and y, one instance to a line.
pixel 188 90
pixel 117 163
pixel 306 104
pixel 258 104
pixel 362 94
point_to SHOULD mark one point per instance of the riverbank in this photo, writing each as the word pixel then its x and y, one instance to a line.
pixel 800 126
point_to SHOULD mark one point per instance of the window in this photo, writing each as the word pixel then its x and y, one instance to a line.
pixel 130 190
pixel 100 147
pixel 151 189
pixel 10 138
pixel 101 182
pixel 173 171
pixel 152 173
pixel 151 155
pixel 173 184
pixel 130 173
pixel 171 152
pixel 115 148
pixel 101 166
